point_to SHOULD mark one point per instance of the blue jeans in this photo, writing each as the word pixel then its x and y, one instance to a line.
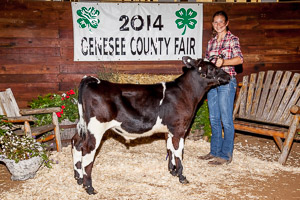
pixel 220 103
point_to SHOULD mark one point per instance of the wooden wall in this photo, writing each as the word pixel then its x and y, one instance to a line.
pixel 36 45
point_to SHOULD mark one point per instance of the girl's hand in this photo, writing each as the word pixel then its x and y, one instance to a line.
pixel 220 62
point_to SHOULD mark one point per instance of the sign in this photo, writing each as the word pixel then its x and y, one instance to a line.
pixel 136 31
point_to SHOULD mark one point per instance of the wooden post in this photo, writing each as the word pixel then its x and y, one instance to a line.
pixel 27 129
pixel 56 132
pixel 289 140
pixel 295 109
pixel 278 142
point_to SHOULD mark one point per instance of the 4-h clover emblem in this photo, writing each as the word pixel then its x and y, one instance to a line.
pixel 88 17
pixel 186 19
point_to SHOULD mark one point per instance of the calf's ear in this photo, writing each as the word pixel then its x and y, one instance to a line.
pixel 188 61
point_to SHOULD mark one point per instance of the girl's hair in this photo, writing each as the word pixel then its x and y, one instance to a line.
pixel 219 13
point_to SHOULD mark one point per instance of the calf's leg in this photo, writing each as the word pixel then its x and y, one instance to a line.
pixel 77 157
pixel 171 165
pixel 91 143
pixel 176 145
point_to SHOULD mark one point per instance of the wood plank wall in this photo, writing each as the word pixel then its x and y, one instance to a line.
pixel 36 45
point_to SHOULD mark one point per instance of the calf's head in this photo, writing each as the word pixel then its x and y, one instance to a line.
pixel 207 70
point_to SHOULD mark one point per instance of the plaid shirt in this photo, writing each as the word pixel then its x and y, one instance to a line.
pixel 229 47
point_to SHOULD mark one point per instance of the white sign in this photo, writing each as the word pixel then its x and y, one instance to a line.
pixel 136 31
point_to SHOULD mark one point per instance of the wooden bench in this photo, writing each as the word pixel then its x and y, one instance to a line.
pixel 10 109
pixel 269 105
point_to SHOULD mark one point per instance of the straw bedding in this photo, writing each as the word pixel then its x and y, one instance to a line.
pixel 139 171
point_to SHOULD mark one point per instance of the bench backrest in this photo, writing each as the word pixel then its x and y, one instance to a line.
pixel 268 99
pixel 8 104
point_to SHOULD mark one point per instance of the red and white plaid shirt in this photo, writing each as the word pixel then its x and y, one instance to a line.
pixel 229 47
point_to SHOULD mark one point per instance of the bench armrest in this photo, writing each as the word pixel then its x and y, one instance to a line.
pixel 295 109
pixel 19 119
pixel 39 111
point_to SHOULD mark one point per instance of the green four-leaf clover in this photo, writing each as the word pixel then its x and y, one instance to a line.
pixel 88 17
pixel 186 19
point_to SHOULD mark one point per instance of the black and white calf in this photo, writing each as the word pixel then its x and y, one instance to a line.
pixel 135 111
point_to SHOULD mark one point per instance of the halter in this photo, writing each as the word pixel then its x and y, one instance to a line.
pixel 216 57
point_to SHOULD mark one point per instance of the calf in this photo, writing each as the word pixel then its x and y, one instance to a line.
pixel 135 111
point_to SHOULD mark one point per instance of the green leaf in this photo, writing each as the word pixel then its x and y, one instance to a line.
pixel 94 23
pixel 180 23
pixel 181 13
pixel 192 23
pixel 79 13
pixel 201 120
pixel 191 13
pixel 81 22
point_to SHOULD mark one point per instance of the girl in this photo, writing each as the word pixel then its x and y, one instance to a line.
pixel 225 47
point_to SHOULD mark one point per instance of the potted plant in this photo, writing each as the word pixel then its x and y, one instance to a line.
pixel 67 101
pixel 67 117
pixel 22 155
pixel 201 125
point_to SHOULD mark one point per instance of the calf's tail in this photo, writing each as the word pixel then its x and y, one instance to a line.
pixel 83 89
pixel 81 125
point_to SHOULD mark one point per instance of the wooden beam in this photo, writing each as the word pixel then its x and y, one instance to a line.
pixel 257 130
pixel 42 129
pixel 49 137
pixel 19 119
pixel 278 142
pixel 39 110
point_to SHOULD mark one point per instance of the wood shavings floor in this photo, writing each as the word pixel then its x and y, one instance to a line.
pixel 139 171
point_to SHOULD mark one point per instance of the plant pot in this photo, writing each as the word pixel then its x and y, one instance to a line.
pixel 196 134
pixel 24 169
pixel 67 129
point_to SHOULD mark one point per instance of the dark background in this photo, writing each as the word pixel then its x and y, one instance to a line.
pixel 36 45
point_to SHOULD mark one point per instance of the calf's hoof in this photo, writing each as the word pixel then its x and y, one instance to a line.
pixel 79 181
pixel 183 180
pixel 173 172
pixel 90 190
pixel 77 177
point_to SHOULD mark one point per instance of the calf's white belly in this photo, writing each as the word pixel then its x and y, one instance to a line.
pixel 157 128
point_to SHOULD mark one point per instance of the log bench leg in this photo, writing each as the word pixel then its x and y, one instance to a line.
pixel 56 132
pixel 289 140
pixel 27 129
pixel 278 142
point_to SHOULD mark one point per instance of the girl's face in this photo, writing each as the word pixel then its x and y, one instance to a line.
pixel 219 24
